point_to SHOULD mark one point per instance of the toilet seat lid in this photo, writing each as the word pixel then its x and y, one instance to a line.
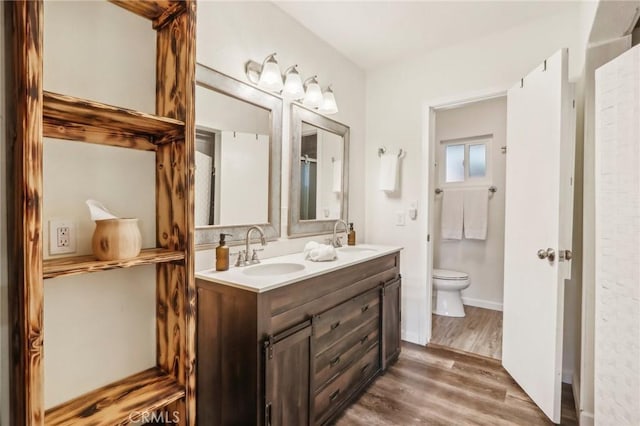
pixel 444 274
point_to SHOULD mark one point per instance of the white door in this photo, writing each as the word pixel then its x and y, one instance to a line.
pixel 539 209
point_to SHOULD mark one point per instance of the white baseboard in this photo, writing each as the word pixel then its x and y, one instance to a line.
pixel 479 303
pixel 586 419
pixel 411 337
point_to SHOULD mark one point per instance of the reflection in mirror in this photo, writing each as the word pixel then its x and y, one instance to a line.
pixel 232 155
pixel 238 158
pixel 319 172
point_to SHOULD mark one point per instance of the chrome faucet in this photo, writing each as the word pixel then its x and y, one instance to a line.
pixel 335 241
pixel 263 241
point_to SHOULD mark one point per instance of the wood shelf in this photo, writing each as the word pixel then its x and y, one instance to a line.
pixel 84 264
pixel 120 402
pixel 68 117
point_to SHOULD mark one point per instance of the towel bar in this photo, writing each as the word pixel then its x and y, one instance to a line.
pixel 383 150
pixel 492 189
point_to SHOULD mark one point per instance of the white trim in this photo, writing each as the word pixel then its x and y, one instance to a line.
pixel 412 338
pixel 480 303
pixel 586 419
pixel 428 179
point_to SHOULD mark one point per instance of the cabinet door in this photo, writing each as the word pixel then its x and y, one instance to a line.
pixel 288 368
pixel 391 316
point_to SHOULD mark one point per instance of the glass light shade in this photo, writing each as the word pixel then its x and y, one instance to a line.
pixel 270 78
pixel 313 96
pixel 293 88
pixel 329 105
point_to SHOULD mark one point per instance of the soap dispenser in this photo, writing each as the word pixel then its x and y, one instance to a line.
pixel 351 237
pixel 222 254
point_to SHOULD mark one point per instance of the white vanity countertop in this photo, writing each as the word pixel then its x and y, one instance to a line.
pixel 236 277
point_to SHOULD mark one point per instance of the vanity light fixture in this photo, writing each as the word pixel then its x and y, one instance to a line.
pixel 313 94
pixel 267 76
pixel 329 105
pixel 293 88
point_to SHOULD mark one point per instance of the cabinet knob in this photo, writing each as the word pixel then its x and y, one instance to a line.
pixel 335 325
pixel 334 361
pixel 334 395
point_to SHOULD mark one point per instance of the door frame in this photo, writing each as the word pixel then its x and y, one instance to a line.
pixel 427 188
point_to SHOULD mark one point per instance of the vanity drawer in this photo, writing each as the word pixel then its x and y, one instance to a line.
pixel 332 325
pixel 329 398
pixel 350 348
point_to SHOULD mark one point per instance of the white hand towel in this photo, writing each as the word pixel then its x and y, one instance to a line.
pixel 337 176
pixel 388 172
pixel 452 213
pixel 476 208
pixel 319 252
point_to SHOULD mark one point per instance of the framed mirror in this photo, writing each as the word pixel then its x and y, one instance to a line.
pixel 318 195
pixel 238 158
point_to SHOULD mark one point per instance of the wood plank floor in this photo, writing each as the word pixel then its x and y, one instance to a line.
pixel 480 332
pixel 437 386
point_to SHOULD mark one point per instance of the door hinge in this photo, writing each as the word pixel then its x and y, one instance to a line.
pixel 267 414
pixel 268 347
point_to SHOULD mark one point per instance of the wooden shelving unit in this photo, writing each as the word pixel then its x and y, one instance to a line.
pixel 120 402
pixel 170 133
pixel 75 265
pixel 67 117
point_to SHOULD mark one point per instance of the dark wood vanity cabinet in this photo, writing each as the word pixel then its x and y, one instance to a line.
pixel 391 317
pixel 298 354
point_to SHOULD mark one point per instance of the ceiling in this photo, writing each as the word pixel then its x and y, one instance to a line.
pixel 375 33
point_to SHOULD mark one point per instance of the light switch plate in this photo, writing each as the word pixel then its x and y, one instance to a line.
pixel 400 218
pixel 62 236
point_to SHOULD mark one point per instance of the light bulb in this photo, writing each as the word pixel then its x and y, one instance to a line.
pixel 270 77
pixel 293 88
pixel 329 105
pixel 313 96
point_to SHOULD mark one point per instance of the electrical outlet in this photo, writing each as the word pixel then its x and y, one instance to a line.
pixel 62 236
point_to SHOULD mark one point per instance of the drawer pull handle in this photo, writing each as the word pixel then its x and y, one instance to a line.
pixel 364 369
pixel 365 308
pixel 364 339
pixel 334 361
pixel 335 325
pixel 334 395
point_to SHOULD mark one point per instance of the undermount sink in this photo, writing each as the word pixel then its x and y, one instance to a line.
pixel 352 249
pixel 270 269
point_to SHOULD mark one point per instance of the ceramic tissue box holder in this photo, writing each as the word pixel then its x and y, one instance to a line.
pixel 114 238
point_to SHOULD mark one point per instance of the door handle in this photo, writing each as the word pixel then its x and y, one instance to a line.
pixel 549 254
pixel 565 255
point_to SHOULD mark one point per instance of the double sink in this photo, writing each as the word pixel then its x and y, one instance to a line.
pixel 284 270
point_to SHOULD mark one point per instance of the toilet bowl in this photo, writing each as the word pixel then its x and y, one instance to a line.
pixel 447 285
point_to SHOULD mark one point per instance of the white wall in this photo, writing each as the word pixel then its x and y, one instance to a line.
pixel 231 33
pixel 617 329
pixel 396 97
pixel 98 51
pixel 482 260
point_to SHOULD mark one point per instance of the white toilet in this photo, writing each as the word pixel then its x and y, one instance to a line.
pixel 447 285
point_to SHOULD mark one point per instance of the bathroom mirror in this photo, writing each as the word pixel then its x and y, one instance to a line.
pixel 319 172
pixel 238 158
